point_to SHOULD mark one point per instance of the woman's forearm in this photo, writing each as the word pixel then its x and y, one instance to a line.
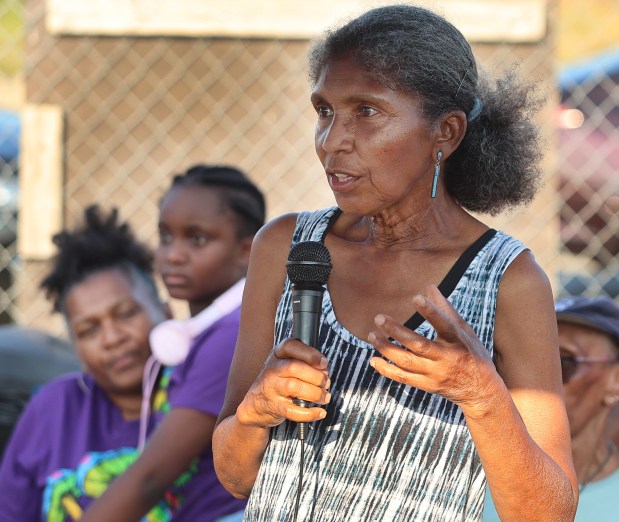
pixel 526 482
pixel 237 451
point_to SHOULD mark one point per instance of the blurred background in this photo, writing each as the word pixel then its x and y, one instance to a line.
pixel 104 101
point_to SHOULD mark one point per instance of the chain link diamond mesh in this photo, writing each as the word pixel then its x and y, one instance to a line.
pixel 138 109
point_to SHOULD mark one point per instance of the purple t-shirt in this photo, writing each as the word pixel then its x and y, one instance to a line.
pixel 71 441
pixel 67 446
pixel 199 383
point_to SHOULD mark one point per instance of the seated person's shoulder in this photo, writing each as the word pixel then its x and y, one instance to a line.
pixel 64 390
pixel 49 406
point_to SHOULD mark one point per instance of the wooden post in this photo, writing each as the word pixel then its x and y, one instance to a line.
pixel 40 180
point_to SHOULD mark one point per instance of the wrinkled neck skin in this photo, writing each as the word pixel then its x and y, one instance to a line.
pixel 423 226
pixel 590 449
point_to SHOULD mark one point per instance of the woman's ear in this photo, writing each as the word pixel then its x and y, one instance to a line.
pixel 451 131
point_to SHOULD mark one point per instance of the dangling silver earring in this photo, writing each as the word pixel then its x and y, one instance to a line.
pixel 437 171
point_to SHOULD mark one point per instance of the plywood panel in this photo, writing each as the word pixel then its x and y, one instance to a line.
pixel 40 180
pixel 479 20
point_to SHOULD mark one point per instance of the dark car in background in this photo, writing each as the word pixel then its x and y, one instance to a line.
pixel 29 358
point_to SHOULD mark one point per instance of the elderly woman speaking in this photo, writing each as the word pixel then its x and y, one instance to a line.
pixel 436 364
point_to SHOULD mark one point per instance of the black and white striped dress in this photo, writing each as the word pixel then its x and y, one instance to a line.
pixel 386 451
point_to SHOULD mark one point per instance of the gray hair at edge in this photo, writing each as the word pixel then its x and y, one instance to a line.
pixel 412 49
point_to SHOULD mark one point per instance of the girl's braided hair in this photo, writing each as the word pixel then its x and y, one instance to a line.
pixel 237 192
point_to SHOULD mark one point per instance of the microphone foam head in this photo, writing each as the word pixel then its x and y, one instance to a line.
pixel 309 262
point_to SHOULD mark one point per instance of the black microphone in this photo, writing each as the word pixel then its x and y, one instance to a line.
pixel 308 268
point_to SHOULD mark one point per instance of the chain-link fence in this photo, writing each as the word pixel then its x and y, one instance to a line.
pixel 588 138
pixel 136 109
pixel 12 30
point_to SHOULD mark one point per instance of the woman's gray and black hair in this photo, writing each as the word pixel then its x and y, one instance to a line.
pixel 237 191
pixel 101 243
pixel 412 49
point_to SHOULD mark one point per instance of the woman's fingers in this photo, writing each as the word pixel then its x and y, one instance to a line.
pixel 292 371
pixel 311 387
pixel 439 312
pixel 295 349
pixel 449 364
pixel 296 361
pixel 449 325
pixel 390 329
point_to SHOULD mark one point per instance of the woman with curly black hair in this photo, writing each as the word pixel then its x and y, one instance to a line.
pixel 81 431
pixel 436 367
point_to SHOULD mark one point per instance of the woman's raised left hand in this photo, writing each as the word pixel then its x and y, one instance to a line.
pixel 454 365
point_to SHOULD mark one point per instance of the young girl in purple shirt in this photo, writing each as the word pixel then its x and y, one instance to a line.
pixel 207 222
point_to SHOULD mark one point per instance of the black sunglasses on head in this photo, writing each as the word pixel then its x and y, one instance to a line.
pixel 570 363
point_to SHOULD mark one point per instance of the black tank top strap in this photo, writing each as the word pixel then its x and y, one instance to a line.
pixel 449 283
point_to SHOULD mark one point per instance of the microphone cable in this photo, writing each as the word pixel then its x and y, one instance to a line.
pixel 301 433
pixel 300 483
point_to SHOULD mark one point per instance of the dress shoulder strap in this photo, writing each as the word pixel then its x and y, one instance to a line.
pixel 336 214
pixel 449 283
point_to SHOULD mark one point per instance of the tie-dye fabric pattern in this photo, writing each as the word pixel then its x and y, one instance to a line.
pixel 385 451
